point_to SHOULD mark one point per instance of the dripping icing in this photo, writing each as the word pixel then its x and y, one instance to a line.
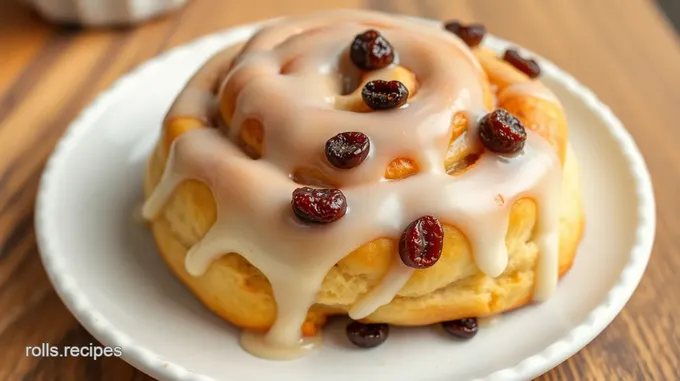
pixel 533 88
pixel 246 208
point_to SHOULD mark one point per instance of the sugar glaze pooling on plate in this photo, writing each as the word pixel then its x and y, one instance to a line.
pixel 298 112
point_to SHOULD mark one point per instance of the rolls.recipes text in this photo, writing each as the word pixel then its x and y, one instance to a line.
pixel 92 350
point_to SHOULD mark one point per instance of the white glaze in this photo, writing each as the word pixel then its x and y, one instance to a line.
pixel 531 88
pixel 394 280
pixel 298 114
pixel 257 344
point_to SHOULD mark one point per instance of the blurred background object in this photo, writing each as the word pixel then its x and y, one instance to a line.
pixel 103 12
pixel 672 10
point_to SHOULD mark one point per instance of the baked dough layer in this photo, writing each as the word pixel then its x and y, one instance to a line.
pixel 452 289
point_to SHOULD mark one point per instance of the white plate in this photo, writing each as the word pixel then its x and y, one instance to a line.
pixel 106 269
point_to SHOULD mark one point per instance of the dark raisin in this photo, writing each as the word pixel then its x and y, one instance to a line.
pixel 471 34
pixel 371 51
pixel 384 95
pixel 319 205
pixel 348 149
pixel 421 243
pixel 367 335
pixel 462 328
pixel 526 66
pixel 502 132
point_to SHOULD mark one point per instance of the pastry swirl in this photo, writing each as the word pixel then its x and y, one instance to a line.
pixel 250 127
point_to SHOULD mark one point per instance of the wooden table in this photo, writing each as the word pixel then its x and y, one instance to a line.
pixel 624 50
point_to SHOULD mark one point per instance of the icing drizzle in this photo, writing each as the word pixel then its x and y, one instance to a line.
pixel 297 110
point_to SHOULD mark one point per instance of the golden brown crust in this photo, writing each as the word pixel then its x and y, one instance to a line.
pixel 539 115
pixel 454 288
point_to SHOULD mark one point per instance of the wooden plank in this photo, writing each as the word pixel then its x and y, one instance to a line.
pixel 22 36
pixel 624 50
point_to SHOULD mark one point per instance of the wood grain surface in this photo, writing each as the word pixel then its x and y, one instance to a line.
pixel 624 50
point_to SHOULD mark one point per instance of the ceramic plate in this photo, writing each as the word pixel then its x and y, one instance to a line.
pixel 104 265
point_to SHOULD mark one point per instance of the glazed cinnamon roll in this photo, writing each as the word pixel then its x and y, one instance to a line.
pixel 355 163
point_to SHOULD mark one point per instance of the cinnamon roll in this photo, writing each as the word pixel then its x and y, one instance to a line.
pixel 356 163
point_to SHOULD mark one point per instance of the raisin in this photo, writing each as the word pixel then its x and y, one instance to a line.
pixel 526 66
pixel 471 34
pixel 502 132
pixel 367 335
pixel 371 51
pixel 319 205
pixel 421 243
pixel 462 328
pixel 348 149
pixel 384 95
